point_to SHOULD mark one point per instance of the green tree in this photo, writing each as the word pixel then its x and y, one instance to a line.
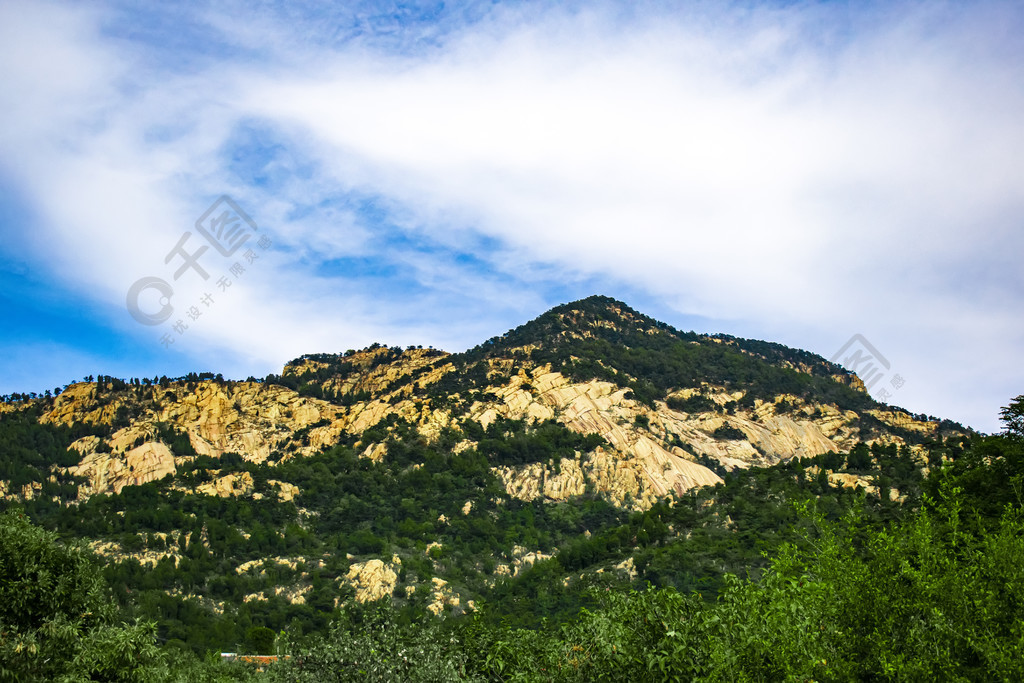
pixel 261 640
pixel 370 644
pixel 57 621
pixel 1013 417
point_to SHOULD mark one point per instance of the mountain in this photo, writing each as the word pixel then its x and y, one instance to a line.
pixel 593 443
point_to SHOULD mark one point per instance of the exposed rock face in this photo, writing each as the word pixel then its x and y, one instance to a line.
pixel 26 492
pixel 643 462
pixel 637 466
pixel 113 471
pixel 848 480
pixel 650 452
pixel 296 595
pixel 650 449
pixel 527 560
pixel 285 491
pixel 240 484
pixel 375 452
pixel 247 418
pixel 146 558
pixel 852 481
pixel 290 562
pixel 627 568
pixel 372 580
pixel 904 421
pixel 522 559
pixel 537 480
pixel 442 597
pixel 376 377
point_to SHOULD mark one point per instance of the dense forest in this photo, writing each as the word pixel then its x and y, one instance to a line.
pixel 620 342
pixel 771 575
pixel 352 507
pixel 861 564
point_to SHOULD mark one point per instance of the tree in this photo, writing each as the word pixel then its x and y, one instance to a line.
pixel 260 639
pixel 57 620
pixel 1013 417
pixel 370 644
pixel 859 458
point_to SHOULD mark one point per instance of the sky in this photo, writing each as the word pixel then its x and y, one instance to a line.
pixel 226 186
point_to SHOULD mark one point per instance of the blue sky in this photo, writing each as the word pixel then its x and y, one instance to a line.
pixel 436 173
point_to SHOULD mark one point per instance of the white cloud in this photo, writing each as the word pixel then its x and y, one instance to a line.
pixel 781 170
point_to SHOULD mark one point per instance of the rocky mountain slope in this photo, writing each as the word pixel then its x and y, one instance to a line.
pixel 324 472
pixel 652 447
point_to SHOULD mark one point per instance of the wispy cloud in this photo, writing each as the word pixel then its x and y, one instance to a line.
pixel 796 172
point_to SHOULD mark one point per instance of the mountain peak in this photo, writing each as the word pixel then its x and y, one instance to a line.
pixel 593 316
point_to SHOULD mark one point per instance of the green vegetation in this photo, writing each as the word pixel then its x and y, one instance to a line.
pixel 728 432
pixel 373 645
pixel 353 507
pixel 652 358
pixel 57 621
pixel 934 595
pixel 777 573
pixel 856 589
pixel 919 601
pixel 30 448
pixel 514 442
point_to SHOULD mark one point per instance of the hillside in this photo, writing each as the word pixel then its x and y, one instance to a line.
pixel 593 444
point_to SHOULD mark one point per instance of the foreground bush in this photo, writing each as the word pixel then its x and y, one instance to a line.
pixel 376 647
pixel 57 621
pixel 921 601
